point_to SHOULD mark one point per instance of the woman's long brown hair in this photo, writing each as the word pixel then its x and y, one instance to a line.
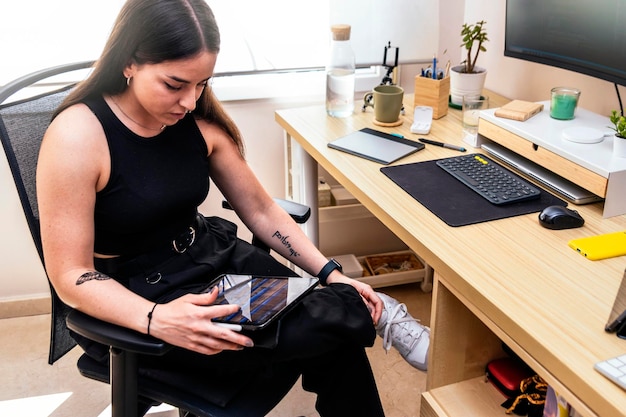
pixel 150 32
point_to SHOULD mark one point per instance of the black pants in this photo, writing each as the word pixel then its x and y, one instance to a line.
pixel 323 337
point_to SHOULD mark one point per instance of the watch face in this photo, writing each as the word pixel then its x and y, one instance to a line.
pixel 337 263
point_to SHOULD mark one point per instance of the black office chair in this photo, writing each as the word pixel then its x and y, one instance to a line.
pixel 22 125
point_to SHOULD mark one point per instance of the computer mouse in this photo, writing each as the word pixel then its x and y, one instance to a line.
pixel 560 217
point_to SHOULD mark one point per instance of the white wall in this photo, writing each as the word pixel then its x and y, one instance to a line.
pixel 21 273
pixel 519 79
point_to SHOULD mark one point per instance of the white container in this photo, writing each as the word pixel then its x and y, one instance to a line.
pixel 351 266
pixel 464 84
pixel 619 147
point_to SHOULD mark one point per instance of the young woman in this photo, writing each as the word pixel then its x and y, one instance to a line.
pixel 123 168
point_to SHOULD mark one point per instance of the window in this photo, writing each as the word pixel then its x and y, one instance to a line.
pixel 37 34
pixel 261 35
pixel 257 35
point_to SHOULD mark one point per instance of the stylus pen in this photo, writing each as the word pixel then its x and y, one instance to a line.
pixel 617 323
pixel 443 145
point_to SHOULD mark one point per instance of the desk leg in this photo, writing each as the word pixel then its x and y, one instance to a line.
pixel 461 345
pixel 302 179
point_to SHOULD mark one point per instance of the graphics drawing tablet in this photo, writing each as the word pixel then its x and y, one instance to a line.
pixel 376 146
pixel 262 299
pixel 602 246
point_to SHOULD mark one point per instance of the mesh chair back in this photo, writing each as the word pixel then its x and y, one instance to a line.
pixel 22 126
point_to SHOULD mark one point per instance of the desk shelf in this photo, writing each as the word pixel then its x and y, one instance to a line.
pixel 463 341
pixel 540 139
pixel 473 397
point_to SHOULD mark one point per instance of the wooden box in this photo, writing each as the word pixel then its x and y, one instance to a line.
pixel 395 268
pixel 432 93
pixel 324 198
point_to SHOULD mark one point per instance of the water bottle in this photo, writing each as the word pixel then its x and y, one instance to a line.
pixel 340 74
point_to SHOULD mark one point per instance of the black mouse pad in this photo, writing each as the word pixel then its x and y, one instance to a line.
pixel 452 201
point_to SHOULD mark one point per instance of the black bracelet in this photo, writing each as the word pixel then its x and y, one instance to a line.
pixel 327 269
pixel 150 316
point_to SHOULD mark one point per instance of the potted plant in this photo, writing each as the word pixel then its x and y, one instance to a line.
pixel 468 78
pixel 619 141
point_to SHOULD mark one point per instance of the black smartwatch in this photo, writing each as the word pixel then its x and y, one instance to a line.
pixel 327 269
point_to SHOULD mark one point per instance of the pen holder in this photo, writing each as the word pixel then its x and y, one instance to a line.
pixel 432 93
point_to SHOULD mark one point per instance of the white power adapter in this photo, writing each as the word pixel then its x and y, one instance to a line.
pixel 422 119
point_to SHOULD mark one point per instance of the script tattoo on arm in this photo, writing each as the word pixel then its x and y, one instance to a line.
pixel 285 241
pixel 92 275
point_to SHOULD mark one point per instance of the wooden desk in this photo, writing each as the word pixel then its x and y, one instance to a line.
pixel 507 280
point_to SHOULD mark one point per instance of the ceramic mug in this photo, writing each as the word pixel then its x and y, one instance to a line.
pixel 386 101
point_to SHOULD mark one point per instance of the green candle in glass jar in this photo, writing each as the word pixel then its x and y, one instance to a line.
pixel 563 102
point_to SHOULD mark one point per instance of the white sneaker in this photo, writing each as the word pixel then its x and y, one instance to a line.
pixel 398 328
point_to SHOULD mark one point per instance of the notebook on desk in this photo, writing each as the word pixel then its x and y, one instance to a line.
pixel 376 146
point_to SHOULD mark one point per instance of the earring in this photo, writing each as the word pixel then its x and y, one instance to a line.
pixel 128 81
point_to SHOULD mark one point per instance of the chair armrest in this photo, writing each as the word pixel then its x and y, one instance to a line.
pixel 299 212
pixel 113 335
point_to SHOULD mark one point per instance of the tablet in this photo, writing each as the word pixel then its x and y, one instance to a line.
pixel 262 299
pixel 599 247
pixel 376 146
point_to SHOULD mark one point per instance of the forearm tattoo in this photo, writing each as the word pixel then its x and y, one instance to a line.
pixel 90 276
pixel 285 241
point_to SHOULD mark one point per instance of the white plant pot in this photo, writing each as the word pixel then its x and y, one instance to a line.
pixel 464 84
pixel 619 147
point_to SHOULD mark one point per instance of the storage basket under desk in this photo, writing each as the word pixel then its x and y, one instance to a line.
pixel 379 270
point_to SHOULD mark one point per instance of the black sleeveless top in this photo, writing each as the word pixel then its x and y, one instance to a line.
pixel 155 187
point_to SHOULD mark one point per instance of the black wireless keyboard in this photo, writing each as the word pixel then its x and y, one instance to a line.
pixel 491 181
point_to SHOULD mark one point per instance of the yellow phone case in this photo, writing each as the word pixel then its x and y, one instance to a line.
pixel 599 247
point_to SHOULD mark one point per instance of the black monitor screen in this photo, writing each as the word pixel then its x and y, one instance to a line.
pixel 585 36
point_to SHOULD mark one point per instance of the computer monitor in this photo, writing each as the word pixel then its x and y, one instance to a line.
pixel 588 37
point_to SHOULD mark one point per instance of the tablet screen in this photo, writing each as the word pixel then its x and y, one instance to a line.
pixel 261 298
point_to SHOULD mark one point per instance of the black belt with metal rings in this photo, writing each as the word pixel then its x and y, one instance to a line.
pixel 184 240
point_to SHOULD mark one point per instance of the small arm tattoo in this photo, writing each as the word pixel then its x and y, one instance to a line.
pixel 285 241
pixel 90 276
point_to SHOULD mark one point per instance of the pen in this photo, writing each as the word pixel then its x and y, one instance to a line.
pixel 617 323
pixel 443 145
pixel 435 67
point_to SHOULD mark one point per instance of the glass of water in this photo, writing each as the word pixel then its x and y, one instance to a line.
pixel 472 105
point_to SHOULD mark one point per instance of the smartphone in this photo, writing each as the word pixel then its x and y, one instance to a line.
pixel 603 246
